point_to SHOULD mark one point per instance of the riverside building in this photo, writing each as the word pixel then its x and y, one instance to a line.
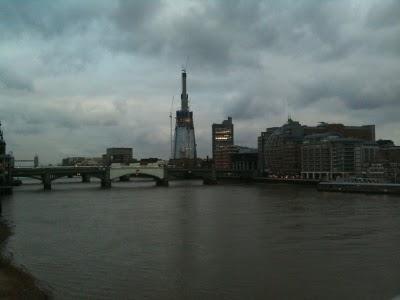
pixel 364 132
pixel 330 156
pixel 223 144
pixel 245 159
pixel 296 150
pixel 261 148
pixel 6 165
pixel 123 155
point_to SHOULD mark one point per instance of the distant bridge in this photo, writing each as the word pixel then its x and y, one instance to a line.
pixel 107 174
pixel 48 174
pixel 158 173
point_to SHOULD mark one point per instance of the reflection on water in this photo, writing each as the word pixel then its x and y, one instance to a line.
pixel 191 241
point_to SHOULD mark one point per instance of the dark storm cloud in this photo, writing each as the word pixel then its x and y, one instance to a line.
pixel 104 68
pixel 135 31
pixel 132 15
pixel 384 13
pixel 13 81
pixel 221 34
pixel 247 107
pixel 28 118
pixel 48 18
pixel 257 99
pixel 210 34
pixel 201 43
pixel 213 35
pixel 354 95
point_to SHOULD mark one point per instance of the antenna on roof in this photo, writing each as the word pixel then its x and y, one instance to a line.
pixel 286 112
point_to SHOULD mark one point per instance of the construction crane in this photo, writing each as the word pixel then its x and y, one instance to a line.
pixel 170 125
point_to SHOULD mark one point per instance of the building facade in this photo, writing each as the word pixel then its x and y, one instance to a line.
pixel 261 149
pixel 223 144
pixel 118 155
pixel 282 150
pixel 245 160
pixel 390 154
pixel 389 160
pixel 286 150
pixel 83 161
pixel 365 155
pixel 329 156
pixel 364 132
pixel 6 165
pixel 316 160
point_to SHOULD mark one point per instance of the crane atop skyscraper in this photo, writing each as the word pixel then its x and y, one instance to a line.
pixel 170 124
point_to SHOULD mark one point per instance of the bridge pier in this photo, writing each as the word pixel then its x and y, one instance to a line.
pixel 209 181
pixel 106 180
pixel 212 179
pixel 106 183
pixel 85 178
pixel 124 178
pixel 46 182
pixel 162 182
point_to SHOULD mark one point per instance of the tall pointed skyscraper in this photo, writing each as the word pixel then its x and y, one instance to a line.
pixel 2 143
pixel 185 142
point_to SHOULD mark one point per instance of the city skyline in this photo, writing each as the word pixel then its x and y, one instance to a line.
pixel 77 78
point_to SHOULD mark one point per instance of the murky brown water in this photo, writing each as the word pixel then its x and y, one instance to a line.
pixel 206 242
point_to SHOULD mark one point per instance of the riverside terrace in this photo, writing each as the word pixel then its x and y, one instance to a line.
pixel 106 174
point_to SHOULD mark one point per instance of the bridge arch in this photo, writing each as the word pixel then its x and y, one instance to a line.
pixel 139 175
pixel 156 173
pixel 36 177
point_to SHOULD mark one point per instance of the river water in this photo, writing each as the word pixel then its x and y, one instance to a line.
pixel 189 241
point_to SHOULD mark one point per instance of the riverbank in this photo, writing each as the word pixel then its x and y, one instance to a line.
pixel 14 282
pixel 359 187
pixel 249 179
pixel 289 180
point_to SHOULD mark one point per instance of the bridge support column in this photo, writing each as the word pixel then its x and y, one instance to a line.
pixel 85 178
pixel 124 178
pixel 46 182
pixel 162 182
pixel 106 183
pixel 209 181
pixel 212 179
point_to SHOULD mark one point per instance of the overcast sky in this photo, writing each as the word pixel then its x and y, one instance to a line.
pixel 79 76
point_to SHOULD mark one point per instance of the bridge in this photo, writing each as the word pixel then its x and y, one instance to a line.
pixel 154 171
pixel 107 174
pixel 48 174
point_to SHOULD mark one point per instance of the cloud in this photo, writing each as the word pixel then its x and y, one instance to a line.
pixel 384 14
pixel 79 76
pixel 13 81
pixel 353 95
pixel 49 18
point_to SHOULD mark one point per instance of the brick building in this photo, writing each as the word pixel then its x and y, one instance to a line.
pixel 280 149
